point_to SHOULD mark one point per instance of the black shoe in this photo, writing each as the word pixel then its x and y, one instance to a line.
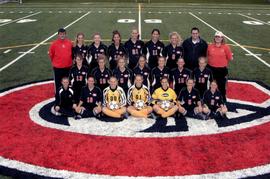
pixel 218 116
pixel 78 117
pixel 200 116
pixel 224 116
pixel 124 116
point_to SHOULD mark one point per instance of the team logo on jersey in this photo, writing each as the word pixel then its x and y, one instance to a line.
pixel 165 94
pixel 33 141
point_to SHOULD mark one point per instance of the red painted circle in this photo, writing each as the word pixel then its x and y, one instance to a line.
pixel 23 140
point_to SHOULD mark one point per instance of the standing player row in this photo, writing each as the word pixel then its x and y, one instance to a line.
pixel 191 49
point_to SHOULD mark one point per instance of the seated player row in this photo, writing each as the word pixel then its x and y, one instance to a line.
pixel 151 78
pixel 134 48
pixel 163 102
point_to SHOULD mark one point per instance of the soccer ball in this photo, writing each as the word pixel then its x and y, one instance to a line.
pixel 139 104
pixel 113 105
pixel 165 105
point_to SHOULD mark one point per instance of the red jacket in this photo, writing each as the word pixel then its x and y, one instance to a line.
pixel 61 53
pixel 219 56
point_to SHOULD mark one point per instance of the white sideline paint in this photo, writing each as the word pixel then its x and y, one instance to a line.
pixel 266 23
pixel 139 21
pixel 19 19
pixel 236 43
pixel 30 50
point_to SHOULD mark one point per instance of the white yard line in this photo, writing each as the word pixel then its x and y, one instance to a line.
pixel 266 23
pixel 20 19
pixel 139 21
pixel 42 42
pixel 236 43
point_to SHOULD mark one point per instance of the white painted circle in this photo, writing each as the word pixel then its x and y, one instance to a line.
pixel 126 21
pixel 153 21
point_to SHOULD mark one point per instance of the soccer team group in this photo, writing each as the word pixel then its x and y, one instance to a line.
pixel 183 78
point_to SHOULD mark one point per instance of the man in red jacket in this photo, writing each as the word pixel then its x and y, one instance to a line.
pixel 61 56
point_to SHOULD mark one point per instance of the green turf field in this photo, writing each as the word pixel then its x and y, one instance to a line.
pixel 250 43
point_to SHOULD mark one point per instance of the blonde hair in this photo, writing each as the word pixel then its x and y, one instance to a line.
pixel 76 38
pixel 179 38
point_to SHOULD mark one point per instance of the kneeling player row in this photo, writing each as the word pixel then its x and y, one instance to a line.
pixel 164 101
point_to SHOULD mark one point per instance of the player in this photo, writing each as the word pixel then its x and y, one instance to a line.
pixel 202 76
pixel 80 48
pixel 95 49
pixel 139 98
pixel 214 106
pixel 90 101
pixel 190 102
pixel 164 99
pixel 174 50
pixel 114 100
pixel 101 73
pixel 123 74
pixel 158 72
pixel 144 70
pixel 134 48
pixel 64 103
pixel 78 77
pixel 179 76
pixel 116 50
pixel 153 49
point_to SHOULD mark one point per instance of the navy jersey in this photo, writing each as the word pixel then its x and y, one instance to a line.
pixel 124 78
pixel 173 54
pixel 78 78
pixel 134 51
pixel 64 97
pixel 94 52
pixel 157 74
pixel 114 53
pixel 82 51
pixel 179 78
pixel 91 98
pixel 213 100
pixel 202 79
pixel 152 51
pixel 102 77
pixel 145 72
pixel 189 100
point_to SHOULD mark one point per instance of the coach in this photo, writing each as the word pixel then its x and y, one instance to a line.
pixel 60 53
pixel 219 54
pixel 194 47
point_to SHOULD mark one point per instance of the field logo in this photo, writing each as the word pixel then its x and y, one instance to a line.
pixel 40 143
